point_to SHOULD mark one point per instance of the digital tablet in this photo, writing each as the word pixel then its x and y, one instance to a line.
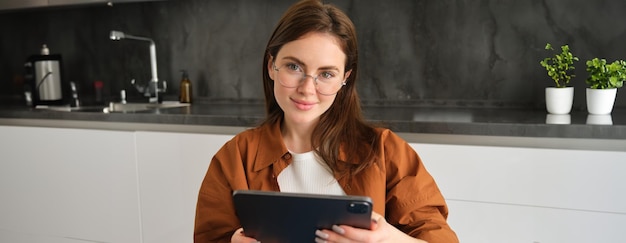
pixel 294 217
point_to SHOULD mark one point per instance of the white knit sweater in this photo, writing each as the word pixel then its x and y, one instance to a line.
pixel 308 174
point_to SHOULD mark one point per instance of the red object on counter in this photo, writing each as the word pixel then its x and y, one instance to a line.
pixel 98 84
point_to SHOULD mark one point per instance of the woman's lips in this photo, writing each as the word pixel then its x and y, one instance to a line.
pixel 303 105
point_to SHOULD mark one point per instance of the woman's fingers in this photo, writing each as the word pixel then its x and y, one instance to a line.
pixel 240 237
pixel 376 219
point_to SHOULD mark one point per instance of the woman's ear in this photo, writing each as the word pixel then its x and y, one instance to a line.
pixel 347 75
pixel 270 66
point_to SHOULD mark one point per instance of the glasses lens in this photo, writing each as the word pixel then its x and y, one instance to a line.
pixel 326 82
pixel 289 75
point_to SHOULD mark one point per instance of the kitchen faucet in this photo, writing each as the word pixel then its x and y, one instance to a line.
pixel 152 90
pixel 75 100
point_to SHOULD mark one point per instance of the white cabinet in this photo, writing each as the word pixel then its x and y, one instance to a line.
pixel 68 185
pixel 495 194
pixel 171 169
pixel 505 194
pixel 76 185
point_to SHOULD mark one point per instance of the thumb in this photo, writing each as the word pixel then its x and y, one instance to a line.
pixel 376 220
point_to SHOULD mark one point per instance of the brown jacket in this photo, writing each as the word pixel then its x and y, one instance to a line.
pixel 399 185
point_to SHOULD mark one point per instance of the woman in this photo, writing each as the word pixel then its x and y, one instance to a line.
pixel 315 140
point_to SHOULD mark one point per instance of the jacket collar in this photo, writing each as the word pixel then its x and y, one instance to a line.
pixel 271 147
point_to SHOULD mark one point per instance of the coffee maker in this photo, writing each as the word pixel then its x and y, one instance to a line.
pixel 43 74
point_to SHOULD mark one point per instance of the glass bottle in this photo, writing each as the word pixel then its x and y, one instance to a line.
pixel 185 88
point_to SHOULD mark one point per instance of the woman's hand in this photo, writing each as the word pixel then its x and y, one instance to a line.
pixel 381 231
pixel 239 237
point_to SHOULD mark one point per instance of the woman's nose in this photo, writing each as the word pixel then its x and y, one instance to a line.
pixel 306 86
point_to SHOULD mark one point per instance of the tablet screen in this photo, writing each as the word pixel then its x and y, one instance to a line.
pixel 294 217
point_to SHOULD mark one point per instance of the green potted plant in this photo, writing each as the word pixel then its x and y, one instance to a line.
pixel 560 68
pixel 604 79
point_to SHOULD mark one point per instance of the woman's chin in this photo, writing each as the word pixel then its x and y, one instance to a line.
pixel 302 119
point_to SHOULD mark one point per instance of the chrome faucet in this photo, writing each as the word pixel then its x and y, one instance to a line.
pixel 152 89
pixel 75 100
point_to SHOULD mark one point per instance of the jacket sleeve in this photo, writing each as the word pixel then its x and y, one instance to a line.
pixel 414 203
pixel 215 214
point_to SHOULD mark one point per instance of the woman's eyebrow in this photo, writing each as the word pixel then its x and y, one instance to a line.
pixel 330 68
pixel 301 63
pixel 294 59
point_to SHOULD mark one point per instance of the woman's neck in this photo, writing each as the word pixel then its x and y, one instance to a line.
pixel 297 137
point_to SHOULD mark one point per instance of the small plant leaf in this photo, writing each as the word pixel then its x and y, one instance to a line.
pixel 605 76
pixel 560 67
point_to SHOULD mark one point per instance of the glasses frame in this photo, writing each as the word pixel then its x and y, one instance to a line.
pixel 304 75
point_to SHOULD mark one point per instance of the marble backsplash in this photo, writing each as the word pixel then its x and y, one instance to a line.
pixel 457 52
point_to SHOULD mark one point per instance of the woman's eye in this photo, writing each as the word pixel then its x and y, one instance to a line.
pixel 327 75
pixel 293 67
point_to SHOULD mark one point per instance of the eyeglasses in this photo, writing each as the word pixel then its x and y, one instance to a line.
pixel 327 82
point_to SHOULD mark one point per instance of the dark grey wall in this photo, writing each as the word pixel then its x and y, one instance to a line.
pixel 412 51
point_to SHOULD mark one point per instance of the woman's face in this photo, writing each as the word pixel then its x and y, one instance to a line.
pixel 317 55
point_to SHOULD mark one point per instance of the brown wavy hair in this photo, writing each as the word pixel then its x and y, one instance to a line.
pixel 342 125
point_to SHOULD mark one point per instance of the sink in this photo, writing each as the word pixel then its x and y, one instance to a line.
pixel 72 109
pixel 134 107
pixel 117 107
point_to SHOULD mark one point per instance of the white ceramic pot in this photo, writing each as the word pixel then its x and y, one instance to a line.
pixel 559 100
pixel 599 119
pixel 558 119
pixel 600 101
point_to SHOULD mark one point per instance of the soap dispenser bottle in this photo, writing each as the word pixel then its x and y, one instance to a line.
pixel 185 88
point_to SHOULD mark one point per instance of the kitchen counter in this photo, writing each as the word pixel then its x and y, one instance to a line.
pixel 446 125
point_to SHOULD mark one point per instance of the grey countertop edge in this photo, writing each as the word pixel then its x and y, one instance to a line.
pixel 484 128
pixel 573 136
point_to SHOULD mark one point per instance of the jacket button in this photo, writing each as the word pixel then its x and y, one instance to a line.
pixel 287 156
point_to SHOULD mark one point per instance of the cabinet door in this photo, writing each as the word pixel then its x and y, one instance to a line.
pixel 67 185
pixel 171 169
pixel 504 194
